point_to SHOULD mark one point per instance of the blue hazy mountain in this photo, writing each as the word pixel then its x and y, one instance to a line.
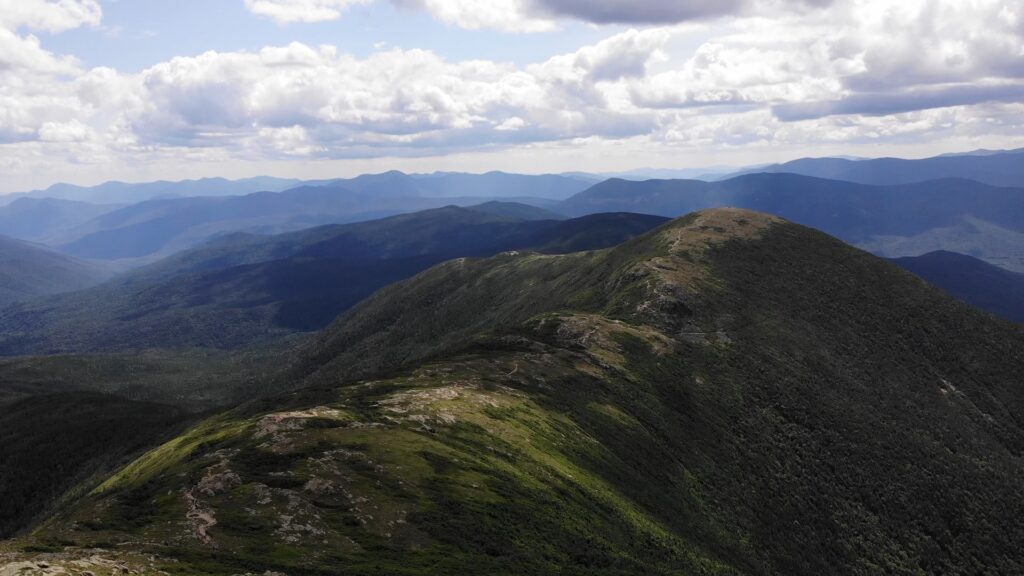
pixel 940 214
pixel 498 185
pixel 438 184
pixel 127 193
pixel 459 184
pixel 39 219
pixel 154 228
pixel 161 227
pixel 997 168
pixel 28 270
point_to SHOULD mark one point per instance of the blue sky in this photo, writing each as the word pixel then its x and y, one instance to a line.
pixel 136 34
pixel 92 90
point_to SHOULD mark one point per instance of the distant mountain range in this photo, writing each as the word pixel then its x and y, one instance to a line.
pixel 180 215
pixel 996 168
pixel 29 270
pixel 951 214
pixel 244 289
pixel 147 230
pixel 437 184
pixel 39 219
pixel 983 152
pixel 456 184
pixel 130 193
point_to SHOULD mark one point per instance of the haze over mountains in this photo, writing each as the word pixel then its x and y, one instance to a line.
pixel 152 228
pixel 130 193
pixel 996 168
pixel 28 270
pixel 952 214
pixel 450 372
pixel 244 289
pixel 39 219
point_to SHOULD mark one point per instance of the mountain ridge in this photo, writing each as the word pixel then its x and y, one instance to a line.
pixel 997 168
pixel 881 218
pixel 117 192
pixel 660 410
pixel 148 230
pixel 243 290
pixel 974 281
pixel 29 270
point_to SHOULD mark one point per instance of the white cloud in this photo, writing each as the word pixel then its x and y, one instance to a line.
pixel 70 131
pixel 506 15
pixel 512 124
pixel 392 101
pixel 852 73
pixel 291 141
pixel 287 11
pixel 865 57
pixel 36 91
pixel 539 15
pixel 50 16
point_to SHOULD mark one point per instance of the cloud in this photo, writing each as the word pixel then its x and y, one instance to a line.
pixel 538 15
pixel 865 57
pixel 394 100
pixel 505 15
pixel 884 104
pixel 920 42
pixel 732 73
pixel 798 76
pixel 49 16
pixel 288 11
pixel 37 101
pixel 638 11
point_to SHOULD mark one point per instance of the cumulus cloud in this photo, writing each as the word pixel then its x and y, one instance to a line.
pixel 884 104
pixel 864 57
pixel 506 15
pixel 393 100
pixel 49 16
pixel 287 11
pixel 37 100
pixel 810 74
pixel 538 15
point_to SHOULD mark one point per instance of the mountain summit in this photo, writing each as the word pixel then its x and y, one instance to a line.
pixel 727 394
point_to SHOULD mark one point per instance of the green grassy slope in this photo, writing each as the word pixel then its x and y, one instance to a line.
pixel 730 394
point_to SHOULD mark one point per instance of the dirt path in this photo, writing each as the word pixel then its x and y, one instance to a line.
pixel 200 518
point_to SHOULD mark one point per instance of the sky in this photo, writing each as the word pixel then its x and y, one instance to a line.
pixel 136 90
